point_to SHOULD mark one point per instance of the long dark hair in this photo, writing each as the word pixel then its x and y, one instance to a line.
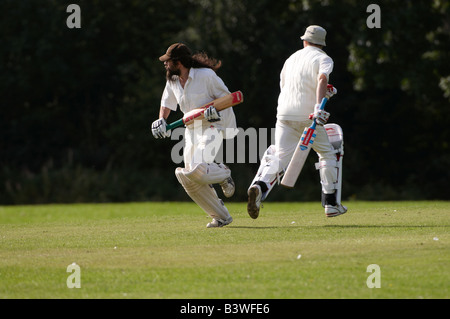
pixel 200 60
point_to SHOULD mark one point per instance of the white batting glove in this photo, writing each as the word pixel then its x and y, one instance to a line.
pixel 331 90
pixel 159 128
pixel 321 116
pixel 211 114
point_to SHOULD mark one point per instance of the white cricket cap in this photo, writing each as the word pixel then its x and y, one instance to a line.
pixel 315 34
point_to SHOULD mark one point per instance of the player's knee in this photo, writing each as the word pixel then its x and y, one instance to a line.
pixel 198 173
pixel 208 173
pixel 187 184
pixel 326 163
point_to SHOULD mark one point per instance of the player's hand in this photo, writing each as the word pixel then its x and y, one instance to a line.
pixel 321 116
pixel 331 90
pixel 159 128
pixel 211 114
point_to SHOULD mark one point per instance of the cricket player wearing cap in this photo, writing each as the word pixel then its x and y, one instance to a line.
pixel 303 83
pixel 191 81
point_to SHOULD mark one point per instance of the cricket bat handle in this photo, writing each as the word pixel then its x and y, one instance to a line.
pixel 322 104
pixel 321 107
pixel 175 124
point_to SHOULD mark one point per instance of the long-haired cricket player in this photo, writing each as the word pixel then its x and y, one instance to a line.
pixel 303 83
pixel 191 83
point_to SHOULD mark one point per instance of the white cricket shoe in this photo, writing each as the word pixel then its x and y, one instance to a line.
pixel 333 211
pixel 254 201
pixel 219 222
pixel 228 187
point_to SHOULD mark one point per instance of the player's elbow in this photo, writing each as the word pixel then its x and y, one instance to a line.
pixel 323 79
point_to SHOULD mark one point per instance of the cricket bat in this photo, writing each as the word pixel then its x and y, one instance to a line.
pixel 301 153
pixel 220 104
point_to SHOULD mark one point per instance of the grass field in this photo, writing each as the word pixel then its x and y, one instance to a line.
pixel 164 251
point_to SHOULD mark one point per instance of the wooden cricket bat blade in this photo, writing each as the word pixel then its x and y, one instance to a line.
pixel 295 166
pixel 226 101
pixel 220 104
pixel 301 153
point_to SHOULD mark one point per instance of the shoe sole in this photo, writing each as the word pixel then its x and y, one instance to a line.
pixel 252 209
pixel 228 195
pixel 334 214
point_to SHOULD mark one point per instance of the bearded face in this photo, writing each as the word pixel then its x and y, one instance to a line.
pixel 172 70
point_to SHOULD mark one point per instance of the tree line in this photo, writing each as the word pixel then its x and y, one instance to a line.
pixel 77 103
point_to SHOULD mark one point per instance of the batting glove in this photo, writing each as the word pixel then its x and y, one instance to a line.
pixel 211 114
pixel 159 128
pixel 321 116
pixel 331 90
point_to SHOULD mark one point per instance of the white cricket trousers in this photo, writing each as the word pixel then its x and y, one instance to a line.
pixel 202 143
pixel 200 171
pixel 287 136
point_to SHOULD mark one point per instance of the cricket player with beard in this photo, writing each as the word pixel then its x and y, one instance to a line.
pixel 191 83
pixel 303 83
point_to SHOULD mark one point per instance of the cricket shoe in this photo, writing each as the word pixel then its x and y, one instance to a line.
pixel 254 201
pixel 228 186
pixel 219 222
pixel 333 211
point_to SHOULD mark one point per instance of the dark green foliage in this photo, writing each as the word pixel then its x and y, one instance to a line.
pixel 76 104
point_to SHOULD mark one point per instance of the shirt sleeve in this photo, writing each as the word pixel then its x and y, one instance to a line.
pixel 168 98
pixel 326 66
pixel 282 76
pixel 217 87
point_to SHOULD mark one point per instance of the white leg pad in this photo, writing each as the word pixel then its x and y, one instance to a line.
pixel 203 195
pixel 208 173
pixel 328 175
pixel 331 170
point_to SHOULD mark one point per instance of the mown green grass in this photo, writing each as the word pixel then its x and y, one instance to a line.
pixel 164 250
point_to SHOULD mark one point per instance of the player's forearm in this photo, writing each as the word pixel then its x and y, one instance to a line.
pixel 321 88
pixel 164 112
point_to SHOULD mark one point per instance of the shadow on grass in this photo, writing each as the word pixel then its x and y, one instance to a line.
pixel 340 226
pixel 384 226
pixel 260 227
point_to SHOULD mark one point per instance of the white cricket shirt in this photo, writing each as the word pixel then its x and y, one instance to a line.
pixel 298 83
pixel 202 86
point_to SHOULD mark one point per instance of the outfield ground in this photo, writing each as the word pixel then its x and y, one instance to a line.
pixel 164 251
